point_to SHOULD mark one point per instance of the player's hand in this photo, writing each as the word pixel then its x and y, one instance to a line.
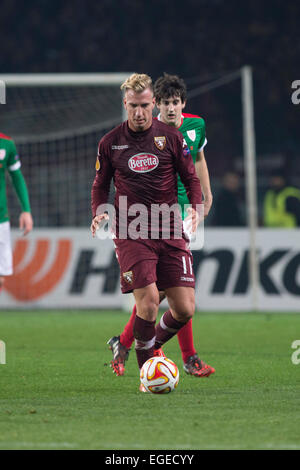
pixel 192 220
pixel 98 221
pixel 26 222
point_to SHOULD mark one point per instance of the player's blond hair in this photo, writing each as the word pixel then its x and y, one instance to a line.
pixel 138 82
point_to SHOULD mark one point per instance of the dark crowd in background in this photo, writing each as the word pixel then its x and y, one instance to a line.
pixel 200 40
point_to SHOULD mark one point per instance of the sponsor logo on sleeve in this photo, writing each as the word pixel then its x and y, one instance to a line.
pixel 2 154
pixel 186 150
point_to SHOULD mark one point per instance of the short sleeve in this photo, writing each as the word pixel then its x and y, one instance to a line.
pixel 203 139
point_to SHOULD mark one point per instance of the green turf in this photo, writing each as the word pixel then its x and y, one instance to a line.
pixel 57 392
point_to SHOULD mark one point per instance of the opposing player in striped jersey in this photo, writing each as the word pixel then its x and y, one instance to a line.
pixel 10 162
pixel 170 95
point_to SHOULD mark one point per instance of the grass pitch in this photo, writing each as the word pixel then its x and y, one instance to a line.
pixel 58 392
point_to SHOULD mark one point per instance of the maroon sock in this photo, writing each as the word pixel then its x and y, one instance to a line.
pixel 144 333
pixel 166 329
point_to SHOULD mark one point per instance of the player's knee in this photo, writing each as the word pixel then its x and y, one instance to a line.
pixel 1 282
pixel 151 308
pixel 185 310
pixel 184 316
pixel 147 302
pixel 148 307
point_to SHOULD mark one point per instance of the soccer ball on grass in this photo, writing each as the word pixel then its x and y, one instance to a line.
pixel 159 375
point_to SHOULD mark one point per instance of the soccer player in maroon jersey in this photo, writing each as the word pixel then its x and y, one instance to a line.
pixel 144 156
pixel 170 94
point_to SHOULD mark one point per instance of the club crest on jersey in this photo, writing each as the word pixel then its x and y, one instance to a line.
pixel 160 142
pixel 97 166
pixel 143 162
pixel 128 277
pixel 192 134
pixel 2 154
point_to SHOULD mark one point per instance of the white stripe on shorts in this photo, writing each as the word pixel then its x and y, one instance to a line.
pixel 184 265
pixel 191 267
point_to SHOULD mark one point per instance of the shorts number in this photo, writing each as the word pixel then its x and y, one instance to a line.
pixel 186 263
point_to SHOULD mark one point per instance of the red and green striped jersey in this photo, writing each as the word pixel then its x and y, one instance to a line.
pixel 9 161
pixel 192 128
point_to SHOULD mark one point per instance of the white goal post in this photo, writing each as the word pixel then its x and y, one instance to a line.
pixel 249 151
pixel 64 79
pixel 250 179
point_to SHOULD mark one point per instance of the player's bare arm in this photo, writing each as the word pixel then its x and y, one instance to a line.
pixel 192 220
pixel 25 222
pixel 203 175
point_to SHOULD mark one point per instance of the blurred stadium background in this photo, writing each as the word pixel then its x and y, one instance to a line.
pixel 57 128
pixel 56 391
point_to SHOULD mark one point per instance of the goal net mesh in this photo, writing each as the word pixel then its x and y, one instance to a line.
pixel 57 130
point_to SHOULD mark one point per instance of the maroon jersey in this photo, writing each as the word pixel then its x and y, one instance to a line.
pixel 144 167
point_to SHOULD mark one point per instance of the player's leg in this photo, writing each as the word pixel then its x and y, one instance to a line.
pixel 192 364
pixel 176 268
pixel 138 269
pixel 186 341
pixel 120 345
pixel 147 303
pixel 6 263
pixel 181 300
pixel 126 337
pixel 175 276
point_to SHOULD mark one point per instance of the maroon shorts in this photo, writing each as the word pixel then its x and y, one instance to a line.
pixel 169 263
